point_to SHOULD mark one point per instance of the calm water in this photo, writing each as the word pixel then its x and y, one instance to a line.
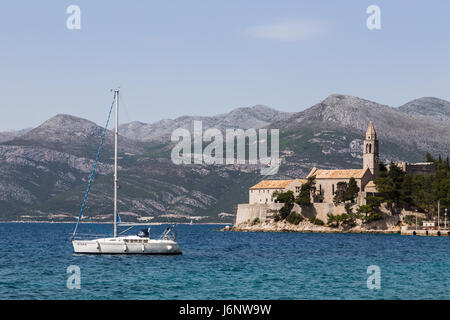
pixel 226 265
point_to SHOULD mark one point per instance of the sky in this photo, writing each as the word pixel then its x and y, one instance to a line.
pixel 174 58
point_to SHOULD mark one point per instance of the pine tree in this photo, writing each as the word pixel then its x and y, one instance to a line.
pixel 352 190
pixel 308 188
pixel 341 189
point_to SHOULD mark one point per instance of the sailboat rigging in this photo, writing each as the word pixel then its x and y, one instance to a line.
pixel 126 244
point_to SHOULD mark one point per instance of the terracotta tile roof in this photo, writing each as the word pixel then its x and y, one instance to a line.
pixel 338 174
pixel 272 184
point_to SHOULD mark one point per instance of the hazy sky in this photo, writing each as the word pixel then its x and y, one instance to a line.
pixel 174 58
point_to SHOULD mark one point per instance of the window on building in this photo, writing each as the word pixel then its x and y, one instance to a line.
pixel 332 188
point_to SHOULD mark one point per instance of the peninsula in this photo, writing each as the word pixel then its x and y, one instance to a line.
pixel 374 199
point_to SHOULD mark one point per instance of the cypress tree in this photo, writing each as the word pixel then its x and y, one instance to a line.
pixel 352 190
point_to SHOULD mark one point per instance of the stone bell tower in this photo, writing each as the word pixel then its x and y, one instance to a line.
pixel 370 152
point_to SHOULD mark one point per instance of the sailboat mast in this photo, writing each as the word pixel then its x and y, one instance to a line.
pixel 116 136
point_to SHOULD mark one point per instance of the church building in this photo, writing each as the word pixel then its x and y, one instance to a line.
pixel 327 180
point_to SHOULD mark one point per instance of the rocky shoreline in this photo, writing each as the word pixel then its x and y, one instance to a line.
pixel 150 223
pixel 306 226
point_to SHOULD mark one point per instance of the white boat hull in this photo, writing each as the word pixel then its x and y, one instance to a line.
pixel 126 245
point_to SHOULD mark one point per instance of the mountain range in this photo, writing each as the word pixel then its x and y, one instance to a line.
pixel 44 170
pixel 11 134
pixel 241 118
pixel 428 108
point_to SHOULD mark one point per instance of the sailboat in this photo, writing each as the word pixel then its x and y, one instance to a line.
pixel 126 244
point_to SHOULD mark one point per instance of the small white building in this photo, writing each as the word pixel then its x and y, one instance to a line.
pixel 429 224
pixel 263 191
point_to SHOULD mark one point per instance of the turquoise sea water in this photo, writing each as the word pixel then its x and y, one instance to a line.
pixel 226 265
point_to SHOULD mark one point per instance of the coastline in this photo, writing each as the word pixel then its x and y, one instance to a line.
pixel 306 227
pixel 150 223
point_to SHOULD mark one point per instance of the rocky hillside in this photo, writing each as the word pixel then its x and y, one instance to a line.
pixel 241 118
pixel 338 124
pixel 429 109
pixel 12 134
pixel 43 173
pixel 76 136
pixel 32 175
pixel 157 190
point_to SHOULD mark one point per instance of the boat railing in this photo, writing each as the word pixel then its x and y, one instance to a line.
pixel 169 234
pixel 80 236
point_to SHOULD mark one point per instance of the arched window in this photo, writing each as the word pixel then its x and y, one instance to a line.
pixel 370 148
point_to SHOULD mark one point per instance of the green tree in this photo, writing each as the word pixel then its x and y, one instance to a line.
pixel 352 190
pixel 308 188
pixel 382 170
pixel 406 193
pixel 341 189
pixel 421 192
pixel 390 185
pixel 288 199
pixel 284 197
pixel 294 218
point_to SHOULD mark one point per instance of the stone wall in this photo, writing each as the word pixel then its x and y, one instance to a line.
pixel 246 213
pixel 321 210
pixel 421 168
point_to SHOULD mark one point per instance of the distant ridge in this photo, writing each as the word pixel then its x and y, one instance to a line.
pixel 43 172
pixel 241 118
pixel 428 108
pixel 12 134
pixel 352 114
pixel 73 135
